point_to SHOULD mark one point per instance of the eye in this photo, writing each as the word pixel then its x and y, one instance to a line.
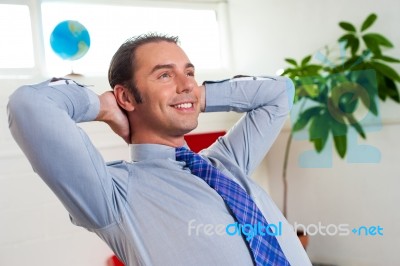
pixel 165 75
pixel 190 73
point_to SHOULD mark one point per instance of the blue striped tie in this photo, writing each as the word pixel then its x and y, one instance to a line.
pixel 264 247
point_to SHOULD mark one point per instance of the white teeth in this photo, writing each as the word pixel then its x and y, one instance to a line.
pixel 184 105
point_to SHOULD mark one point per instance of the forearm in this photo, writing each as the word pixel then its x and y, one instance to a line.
pixel 42 119
pixel 248 93
pixel 66 96
pixel 267 103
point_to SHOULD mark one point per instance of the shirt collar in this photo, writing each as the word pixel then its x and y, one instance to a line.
pixel 141 152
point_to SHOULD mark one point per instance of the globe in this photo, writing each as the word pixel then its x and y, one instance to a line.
pixel 70 40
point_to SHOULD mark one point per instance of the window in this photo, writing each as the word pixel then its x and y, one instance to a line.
pixel 110 25
pixel 16 47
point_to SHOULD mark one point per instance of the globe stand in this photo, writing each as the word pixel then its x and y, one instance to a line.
pixel 73 75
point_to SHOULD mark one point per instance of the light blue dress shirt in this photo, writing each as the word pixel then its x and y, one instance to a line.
pixel 152 210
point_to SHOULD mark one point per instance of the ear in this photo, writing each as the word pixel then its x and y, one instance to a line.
pixel 124 98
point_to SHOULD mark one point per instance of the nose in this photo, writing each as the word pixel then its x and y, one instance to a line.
pixel 184 83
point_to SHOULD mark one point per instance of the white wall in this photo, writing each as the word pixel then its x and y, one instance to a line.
pixel 263 33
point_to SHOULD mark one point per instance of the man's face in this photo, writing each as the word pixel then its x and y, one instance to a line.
pixel 171 98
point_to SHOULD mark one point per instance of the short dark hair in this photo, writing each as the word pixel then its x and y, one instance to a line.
pixel 123 63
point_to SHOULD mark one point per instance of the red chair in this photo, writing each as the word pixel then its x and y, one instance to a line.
pixel 114 261
pixel 199 141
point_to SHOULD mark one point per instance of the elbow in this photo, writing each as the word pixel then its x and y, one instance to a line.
pixel 290 91
pixel 18 97
pixel 19 100
pixel 285 95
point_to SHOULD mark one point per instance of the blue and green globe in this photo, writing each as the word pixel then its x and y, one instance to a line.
pixel 70 40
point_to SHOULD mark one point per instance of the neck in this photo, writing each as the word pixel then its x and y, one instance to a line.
pixel 171 141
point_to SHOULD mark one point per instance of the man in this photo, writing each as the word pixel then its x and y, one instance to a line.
pixel 151 210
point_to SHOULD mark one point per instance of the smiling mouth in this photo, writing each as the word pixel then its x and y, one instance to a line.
pixel 184 106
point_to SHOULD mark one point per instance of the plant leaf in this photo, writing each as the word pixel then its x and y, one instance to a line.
pixel 353 122
pixel 338 128
pixel 319 130
pixel 305 117
pixel 347 38
pixel 381 86
pixel 351 41
pixel 354 46
pixel 312 70
pixel 347 26
pixel 368 21
pixel 339 132
pixel 312 90
pixel 305 60
pixel 348 102
pixel 386 70
pixel 372 105
pixel 392 91
pixel 287 71
pixel 371 88
pixel 340 145
pixel 372 44
pixel 349 64
pixel 367 81
pixel 387 59
pixel 291 61
pixel 379 39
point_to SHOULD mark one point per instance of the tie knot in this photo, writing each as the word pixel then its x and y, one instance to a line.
pixel 181 149
pixel 183 154
pixel 193 160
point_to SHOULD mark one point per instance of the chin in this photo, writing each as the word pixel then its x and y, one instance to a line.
pixel 189 128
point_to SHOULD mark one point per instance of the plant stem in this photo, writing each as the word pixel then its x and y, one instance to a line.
pixel 284 173
pixel 285 164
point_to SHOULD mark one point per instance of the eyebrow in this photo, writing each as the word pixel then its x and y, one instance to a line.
pixel 168 66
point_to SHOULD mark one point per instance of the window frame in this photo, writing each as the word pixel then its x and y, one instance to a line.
pixel 34 6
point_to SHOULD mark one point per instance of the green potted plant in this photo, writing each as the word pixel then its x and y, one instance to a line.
pixel 329 92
